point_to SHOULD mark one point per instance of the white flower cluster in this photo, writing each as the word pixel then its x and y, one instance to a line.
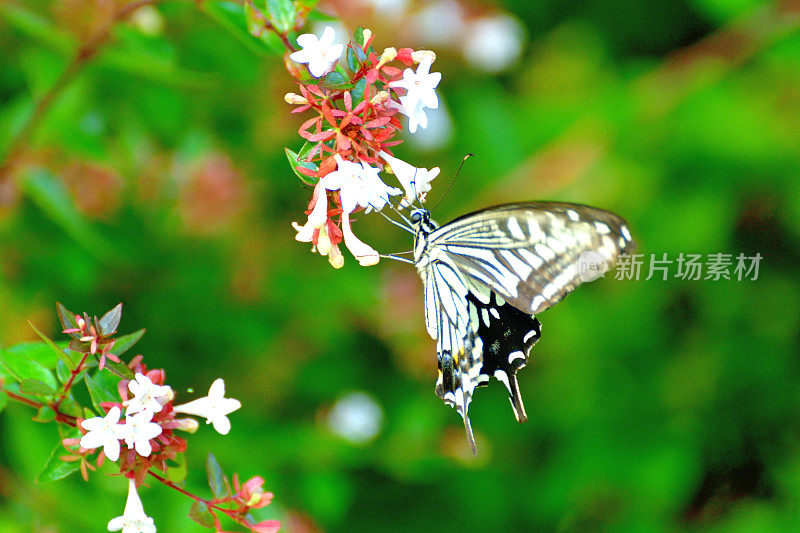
pixel 139 428
pixel 322 53
pixel 359 184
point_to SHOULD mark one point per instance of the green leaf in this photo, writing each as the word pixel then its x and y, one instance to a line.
pixel 3 400
pixel 47 192
pixel 200 514
pixel 358 90
pixel 352 60
pixel 45 415
pixel 358 36
pixel 119 369
pixel 220 487
pixel 67 319
pixel 176 469
pixel 294 163
pixel 36 388
pixel 230 16
pixel 70 407
pixel 62 372
pixel 282 15
pixel 336 80
pixel 55 468
pixel 64 358
pixel 22 363
pixel 99 394
pixel 124 343
pixel 254 26
pixel 360 54
pixel 108 324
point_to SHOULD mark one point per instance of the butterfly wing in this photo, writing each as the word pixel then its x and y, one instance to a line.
pixel 532 253
pixel 458 349
pixel 507 336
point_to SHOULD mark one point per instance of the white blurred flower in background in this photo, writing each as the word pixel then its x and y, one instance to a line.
pixel 386 8
pixel 494 43
pixel 356 417
pixel 438 23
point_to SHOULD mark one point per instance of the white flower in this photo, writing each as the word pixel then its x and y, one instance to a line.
pixel 420 89
pixel 415 181
pixel 104 431
pixel 139 429
pixel 356 417
pixel 317 217
pixel 366 254
pixel 215 408
pixel 321 53
pixel 358 185
pixel 133 519
pixel 495 43
pixel 147 396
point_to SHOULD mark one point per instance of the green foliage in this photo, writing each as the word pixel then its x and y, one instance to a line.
pixel 160 180
pixel 282 14
pixel 55 468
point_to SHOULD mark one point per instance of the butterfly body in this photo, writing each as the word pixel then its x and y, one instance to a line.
pixel 487 273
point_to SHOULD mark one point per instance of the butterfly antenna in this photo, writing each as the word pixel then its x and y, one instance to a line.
pixel 400 214
pixel 396 223
pixel 452 181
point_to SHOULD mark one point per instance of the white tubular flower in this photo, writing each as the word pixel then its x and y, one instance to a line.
pixel 147 396
pixel 104 432
pixel 215 408
pixel 321 53
pixel 420 89
pixel 317 217
pixel 139 429
pixel 416 182
pixel 133 519
pixel 358 185
pixel 366 255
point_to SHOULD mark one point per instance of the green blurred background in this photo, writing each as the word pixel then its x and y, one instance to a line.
pixel 158 179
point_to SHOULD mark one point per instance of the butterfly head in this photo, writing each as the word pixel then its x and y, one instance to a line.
pixel 421 219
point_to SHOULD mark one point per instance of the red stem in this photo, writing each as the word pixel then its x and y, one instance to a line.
pixel 61 417
pixel 78 369
pixel 209 503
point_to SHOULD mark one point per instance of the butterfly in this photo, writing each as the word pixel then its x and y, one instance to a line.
pixel 486 274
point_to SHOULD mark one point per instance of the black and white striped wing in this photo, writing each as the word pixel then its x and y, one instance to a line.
pixel 531 253
pixel 459 351
pixel 507 336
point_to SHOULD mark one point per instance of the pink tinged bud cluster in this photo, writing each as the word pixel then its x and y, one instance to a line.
pixel 352 136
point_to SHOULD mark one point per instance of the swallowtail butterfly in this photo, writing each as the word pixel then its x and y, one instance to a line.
pixel 487 273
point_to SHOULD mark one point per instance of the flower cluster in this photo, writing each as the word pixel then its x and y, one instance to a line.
pixel 147 429
pixel 139 423
pixel 355 96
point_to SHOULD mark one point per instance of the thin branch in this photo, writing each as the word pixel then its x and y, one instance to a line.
pixel 83 56
pixel 77 370
pixel 85 53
